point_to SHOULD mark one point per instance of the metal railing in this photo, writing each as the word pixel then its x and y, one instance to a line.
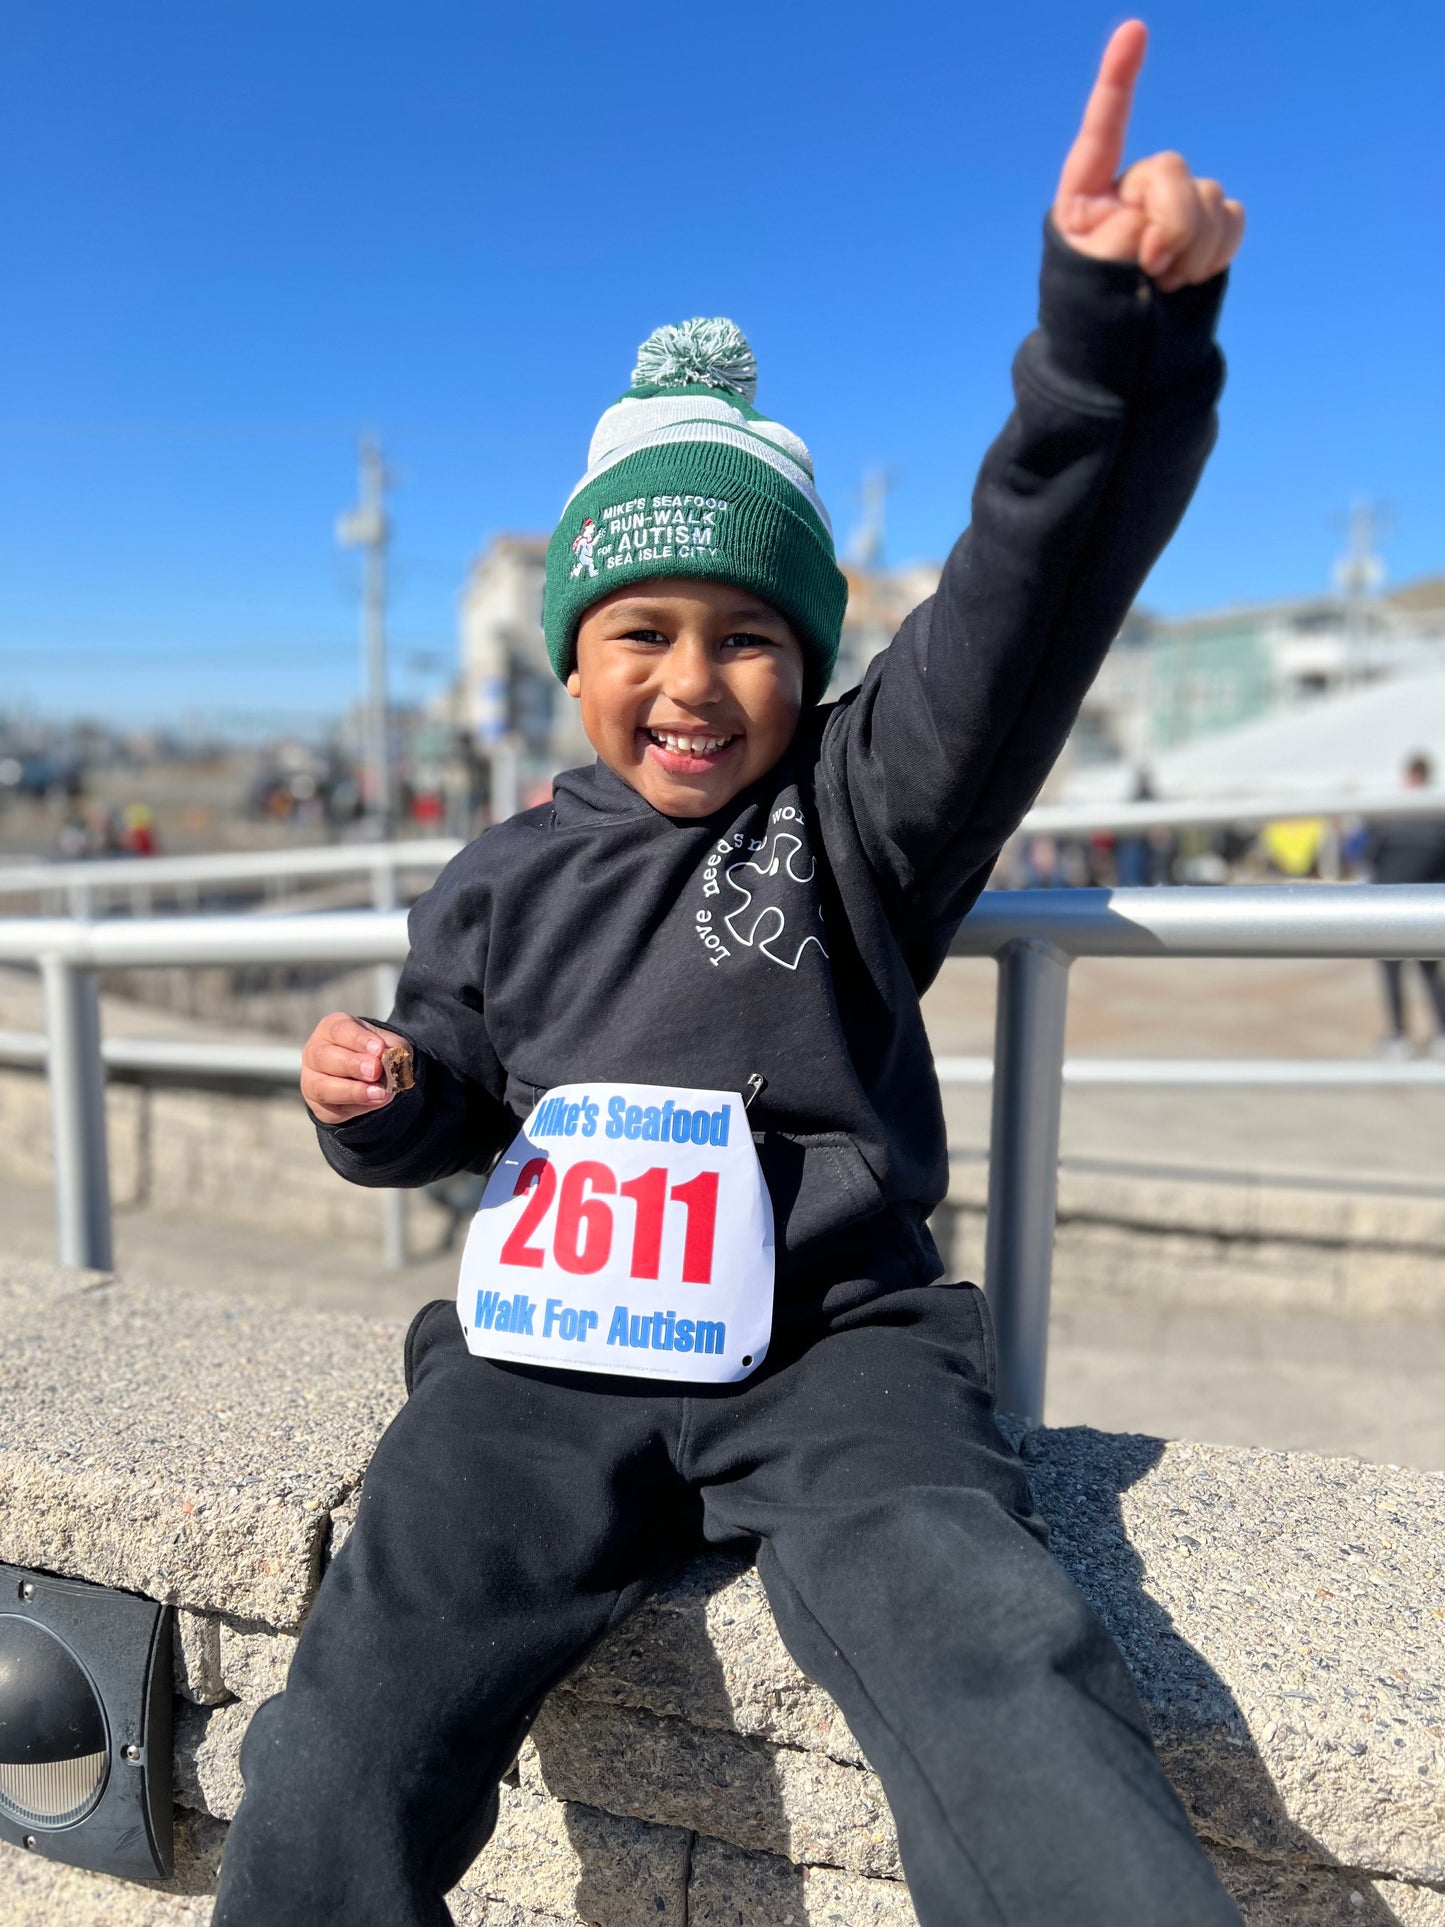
pixel 85 884
pixel 184 1059
pixel 1224 813
pixel 1034 935
pixel 1188 1073
pixel 70 952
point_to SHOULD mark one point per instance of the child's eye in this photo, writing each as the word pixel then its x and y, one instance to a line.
pixel 645 635
pixel 746 639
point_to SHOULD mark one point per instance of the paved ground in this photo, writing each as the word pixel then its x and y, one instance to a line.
pixel 1292 1381
pixel 1368 1388
pixel 1128 1007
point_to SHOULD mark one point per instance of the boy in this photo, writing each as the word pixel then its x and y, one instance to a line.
pixel 740 904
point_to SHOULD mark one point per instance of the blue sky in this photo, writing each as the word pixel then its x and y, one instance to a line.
pixel 237 234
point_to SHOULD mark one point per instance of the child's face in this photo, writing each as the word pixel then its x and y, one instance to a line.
pixel 689 690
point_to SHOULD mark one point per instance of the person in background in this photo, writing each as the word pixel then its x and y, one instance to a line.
pixel 70 843
pixel 1411 850
pixel 1145 859
pixel 1131 853
pixel 102 838
pixel 1293 845
pixel 139 836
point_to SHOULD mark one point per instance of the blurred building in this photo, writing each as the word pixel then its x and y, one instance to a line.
pixel 878 600
pixel 1166 684
pixel 508 692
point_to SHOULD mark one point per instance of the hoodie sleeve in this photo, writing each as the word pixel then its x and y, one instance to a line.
pixel 939 753
pixel 454 1117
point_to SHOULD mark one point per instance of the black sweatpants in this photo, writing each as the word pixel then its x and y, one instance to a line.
pixel 511 1516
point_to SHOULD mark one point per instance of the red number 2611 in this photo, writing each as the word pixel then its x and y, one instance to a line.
pixel 582 1235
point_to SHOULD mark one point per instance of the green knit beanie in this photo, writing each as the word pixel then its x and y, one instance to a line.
pixel 686 478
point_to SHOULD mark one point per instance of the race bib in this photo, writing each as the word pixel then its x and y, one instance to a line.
pixel 628 1229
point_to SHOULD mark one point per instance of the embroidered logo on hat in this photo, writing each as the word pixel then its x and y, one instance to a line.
pixel 583 544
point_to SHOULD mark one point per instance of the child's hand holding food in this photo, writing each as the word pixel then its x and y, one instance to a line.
pixel 349 1068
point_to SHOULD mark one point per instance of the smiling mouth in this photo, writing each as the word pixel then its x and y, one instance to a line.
pixel 690 744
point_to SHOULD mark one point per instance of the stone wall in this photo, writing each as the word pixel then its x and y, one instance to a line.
pixel 239 1156
pixel 1202 1240
pixel 1284 1618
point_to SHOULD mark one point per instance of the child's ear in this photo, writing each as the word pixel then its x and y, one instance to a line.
pixel 574 684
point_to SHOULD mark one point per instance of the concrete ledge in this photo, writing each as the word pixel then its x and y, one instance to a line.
pixel 1226 1239
pixel 1284 1617
pixel 189 1448
pixel 1401 1215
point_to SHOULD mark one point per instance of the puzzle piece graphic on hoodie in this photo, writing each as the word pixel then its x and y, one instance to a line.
pixel 761 920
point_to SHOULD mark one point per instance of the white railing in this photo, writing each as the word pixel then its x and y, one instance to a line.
pixel 1199 1073
pixel 86 884
pixel 1034 935
pixel 1226 813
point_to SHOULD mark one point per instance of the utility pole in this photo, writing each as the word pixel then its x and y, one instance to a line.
pixel 366 528
pixel 865 547
pixel 1358 575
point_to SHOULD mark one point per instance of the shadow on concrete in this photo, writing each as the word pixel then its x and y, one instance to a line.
pixel 690 1769
pixel 1275 1870
pixel 711 1794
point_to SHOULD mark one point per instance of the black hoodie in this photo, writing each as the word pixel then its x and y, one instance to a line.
pixel 791 934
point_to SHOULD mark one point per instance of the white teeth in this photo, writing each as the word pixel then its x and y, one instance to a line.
pixel 688 745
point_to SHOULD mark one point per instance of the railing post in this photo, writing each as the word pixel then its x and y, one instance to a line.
pixel 77 1104
pixel 1023 1166
pixel 393 1203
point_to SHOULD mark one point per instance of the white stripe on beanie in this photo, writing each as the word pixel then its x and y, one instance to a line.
pixel 748 439
pixel 633 419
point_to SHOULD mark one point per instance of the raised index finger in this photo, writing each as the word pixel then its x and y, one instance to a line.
pixel 1098 151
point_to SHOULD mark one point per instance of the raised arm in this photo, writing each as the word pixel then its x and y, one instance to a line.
pixel 939 754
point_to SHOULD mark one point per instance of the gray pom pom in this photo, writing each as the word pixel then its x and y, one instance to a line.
pixel 705 352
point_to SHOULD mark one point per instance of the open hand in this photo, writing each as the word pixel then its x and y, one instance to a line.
pixel 1178 229
pixel 341 1068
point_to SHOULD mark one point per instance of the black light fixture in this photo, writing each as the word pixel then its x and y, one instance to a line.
pixel 85 1724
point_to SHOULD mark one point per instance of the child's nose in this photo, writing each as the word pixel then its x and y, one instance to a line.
pixel 691 673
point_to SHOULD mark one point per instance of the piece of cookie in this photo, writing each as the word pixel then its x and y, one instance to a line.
pixel 396 1071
